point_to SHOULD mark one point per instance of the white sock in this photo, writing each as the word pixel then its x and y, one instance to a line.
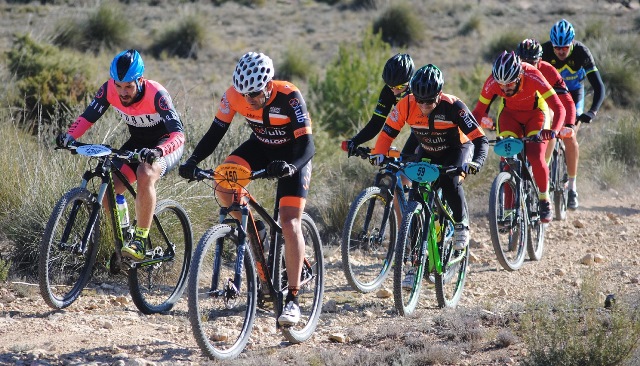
pixel 572 183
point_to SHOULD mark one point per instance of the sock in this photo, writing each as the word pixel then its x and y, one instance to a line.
pixel 142 232
pixel 543 196
pixel 572 183
pixel 292 295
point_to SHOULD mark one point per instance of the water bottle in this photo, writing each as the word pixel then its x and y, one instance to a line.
pixel 123 211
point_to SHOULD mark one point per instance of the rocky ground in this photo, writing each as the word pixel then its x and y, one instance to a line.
pixel 104 327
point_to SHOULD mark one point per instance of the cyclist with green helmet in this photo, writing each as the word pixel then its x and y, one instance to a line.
pixel 155 129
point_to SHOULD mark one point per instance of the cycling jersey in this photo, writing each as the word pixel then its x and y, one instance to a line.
pixel 447 127
pixel 578 65
pixel 557 82
pixel 152 121
pixel 282 123
pixel 386 101
pixel 534 92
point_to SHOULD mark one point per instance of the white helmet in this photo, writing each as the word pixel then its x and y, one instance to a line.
pixel 252 73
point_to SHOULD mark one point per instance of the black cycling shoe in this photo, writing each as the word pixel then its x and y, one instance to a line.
pixel 545 211
pixel 572 201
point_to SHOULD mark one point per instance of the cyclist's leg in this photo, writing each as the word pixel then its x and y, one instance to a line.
pixel 508 126
pixel 535 155
pixel 573 150
pixel 293 192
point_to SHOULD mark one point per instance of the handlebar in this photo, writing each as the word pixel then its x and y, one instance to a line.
pixel 103 150
pixel 202 174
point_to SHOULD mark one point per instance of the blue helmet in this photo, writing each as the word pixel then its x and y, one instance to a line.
pixel 127 66
pixel 562 34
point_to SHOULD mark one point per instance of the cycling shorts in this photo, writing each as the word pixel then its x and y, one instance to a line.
pixel 521 123
pixel 292 190
pixel 167 162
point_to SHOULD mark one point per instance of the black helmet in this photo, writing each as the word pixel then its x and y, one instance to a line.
pixel 427 82
pixel 529 50
pixel 398 70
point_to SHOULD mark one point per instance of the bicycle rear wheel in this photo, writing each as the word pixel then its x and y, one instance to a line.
pixel 312 283
pixel 450 282
pixel 535 229
pixel 64 268
pixel 559 181
pixel 156 287
pixel 507 222
pixel 221 314
pixel 368 239
pixel 409 260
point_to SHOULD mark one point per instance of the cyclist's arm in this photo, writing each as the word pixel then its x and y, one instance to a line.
pixel 91 114
pixel 485 99
pixel 598 90
pixel 470 127
pixel 386 101
pixel 210 140
pixel 392 126
pixel 569 108
pixel 556 106
pixel 166 110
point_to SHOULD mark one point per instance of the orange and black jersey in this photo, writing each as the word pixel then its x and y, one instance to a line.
pixel 448 126
pixel 283 122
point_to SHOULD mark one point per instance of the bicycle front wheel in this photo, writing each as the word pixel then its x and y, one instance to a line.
pixel 66 262
pixel 157 285
pixel 450 281
pixel 410 260
pixel 368 239
pixel 221 312
pixel 312 283
pixel 507 222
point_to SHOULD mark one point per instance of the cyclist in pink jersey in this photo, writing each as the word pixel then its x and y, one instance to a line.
pixel 281 143
pixel 156 133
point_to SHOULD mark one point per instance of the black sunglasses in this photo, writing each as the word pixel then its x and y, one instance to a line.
pixel 252 94
pixel 426 100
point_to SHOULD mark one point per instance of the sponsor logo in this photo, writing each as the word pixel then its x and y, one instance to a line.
pixel 165 103
pixel 145 120
pixel 394 115
pixel 466 118
pixel 100 92
pixel 434 148
pixel 224 104
pixel 297 110
pixel 274 110
pixel 272 141
pixel 439 117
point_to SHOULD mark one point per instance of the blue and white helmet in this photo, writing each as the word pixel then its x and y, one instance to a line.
pixel 562 34
pixel 127 66
pixel 252 73
pixel 507 68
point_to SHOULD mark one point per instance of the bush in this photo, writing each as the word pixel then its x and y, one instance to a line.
pixel 624 142
pixel 296 64
pixel 617 62
pixel 399 26
pixel 347 95
pixel 105 28
pixel 49 82
pixel 508 41
pixel 183 41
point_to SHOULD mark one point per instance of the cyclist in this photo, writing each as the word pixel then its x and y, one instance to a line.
pixel 396 75
pixel 530 51
pixel 281 142
pixel 155 129
pixel 574 62
pixel 527 97
pixel 443 126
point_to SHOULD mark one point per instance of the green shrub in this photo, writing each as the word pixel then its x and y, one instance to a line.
pixel 579 331
pixel 183 41
pixel 624 140
pixel 105 28
pixel 49 81
pixel 296 64
pixel 617 61
pixel 473 24
pixel 507 41
pixel 346 96
pixel 399 26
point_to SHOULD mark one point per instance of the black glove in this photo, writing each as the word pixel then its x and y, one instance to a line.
pixel 351 148
pixel 586 117
pixel 148 156
pixel 547 135
pixel 188 169
pixel 64 140
pixel 280 169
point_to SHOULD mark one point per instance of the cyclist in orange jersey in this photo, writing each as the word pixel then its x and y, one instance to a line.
pixel 530 51
pixel 155 129
pixel 281 143
pixel 524 111
pixel 447 133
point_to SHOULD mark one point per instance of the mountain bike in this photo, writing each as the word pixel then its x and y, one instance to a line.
pixel 558 176
pixel 232 274
pixel 425 243
pixel 71 239
pixel 371 228
pixel 514 218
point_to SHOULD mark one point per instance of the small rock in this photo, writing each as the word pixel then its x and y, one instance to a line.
pixel 559 272
pixel 384 293
pixel 598 258
pixel 635 280
pixel 588 259
pixel 578 224
pixel 339 338
pixel 502 292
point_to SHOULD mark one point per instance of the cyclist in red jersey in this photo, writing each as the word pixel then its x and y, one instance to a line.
pixel 281 142
pixel 524 111
pixel 447 133
pixel 156 132
pixel 530 51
